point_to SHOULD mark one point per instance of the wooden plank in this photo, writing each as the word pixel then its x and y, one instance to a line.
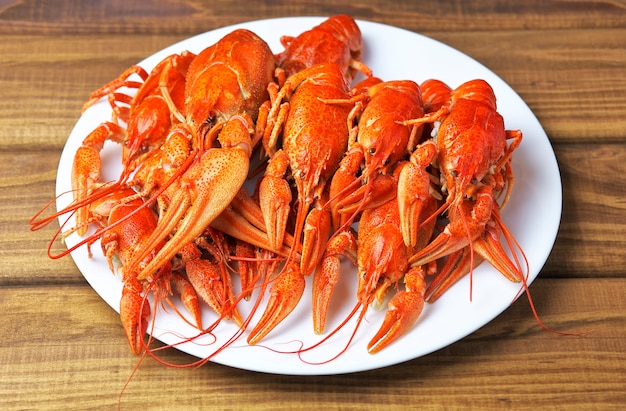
pixel 590 238
pixel 187 17
pixel 27 184
pixel 73 349
pixel 63 347
pixel 569 81
pixel 39 111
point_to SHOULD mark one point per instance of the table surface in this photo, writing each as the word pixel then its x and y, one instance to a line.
pixel 62 347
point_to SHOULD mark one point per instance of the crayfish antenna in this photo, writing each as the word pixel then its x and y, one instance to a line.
pixel 514 245
pixel 70 211
pixel 357 306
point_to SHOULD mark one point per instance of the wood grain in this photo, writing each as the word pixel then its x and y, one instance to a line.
pixel 89 354
pixel 62 347
pixel 564 104
pixel 188 17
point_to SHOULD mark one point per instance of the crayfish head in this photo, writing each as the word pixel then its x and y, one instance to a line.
pixel 476 90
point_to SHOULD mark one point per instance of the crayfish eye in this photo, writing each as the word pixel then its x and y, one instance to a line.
pixel 145 146
pixel 372 151
pixel 211 118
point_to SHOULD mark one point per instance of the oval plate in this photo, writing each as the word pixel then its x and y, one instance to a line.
pixel 392 53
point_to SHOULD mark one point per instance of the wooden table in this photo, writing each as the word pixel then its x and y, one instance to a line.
pixel 61 346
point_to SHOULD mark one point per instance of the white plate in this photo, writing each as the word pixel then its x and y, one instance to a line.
pixel 533 216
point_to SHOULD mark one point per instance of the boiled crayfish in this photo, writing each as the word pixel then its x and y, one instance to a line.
pixel 475 164
pixel 423 169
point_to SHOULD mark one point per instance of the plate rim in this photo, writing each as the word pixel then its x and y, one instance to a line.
pixel 365 26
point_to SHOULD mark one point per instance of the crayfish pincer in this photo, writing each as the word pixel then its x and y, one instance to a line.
pixel 226 84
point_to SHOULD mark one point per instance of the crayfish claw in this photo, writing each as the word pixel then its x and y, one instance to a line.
pixel 315 236
pixel 275 199
pixel 327 275
pixel 457 265
pixel 414 191
pixel 467 222
pixel 134 313
pixel 212 283
pixel 404 309
pixel 488 246
pixel 188 297
pixel 285 294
